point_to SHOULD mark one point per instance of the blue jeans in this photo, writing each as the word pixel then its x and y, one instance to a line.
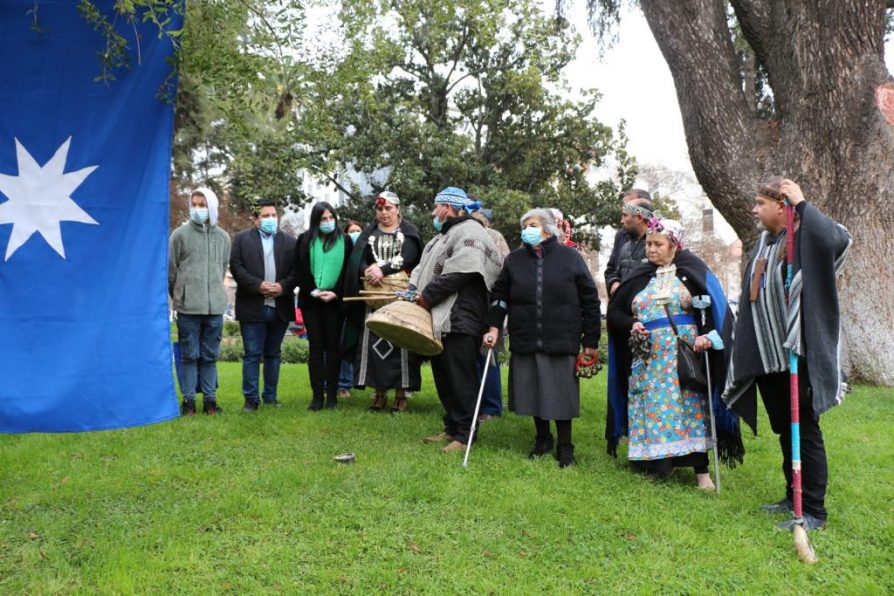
pixel 262 340
pixel 346 375
pixel 199 338
pixel 492 400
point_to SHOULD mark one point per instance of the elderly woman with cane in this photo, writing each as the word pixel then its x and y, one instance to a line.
pixel 550 298
pixel 667 411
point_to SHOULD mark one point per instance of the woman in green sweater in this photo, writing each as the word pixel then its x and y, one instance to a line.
pixel 322 255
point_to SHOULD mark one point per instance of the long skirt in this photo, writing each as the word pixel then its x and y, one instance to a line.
pixel 544 385
pixel 382 365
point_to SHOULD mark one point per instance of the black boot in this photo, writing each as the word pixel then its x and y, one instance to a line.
pixel 331 401
pixel 316 403
pixel 565 455
pixel 542 446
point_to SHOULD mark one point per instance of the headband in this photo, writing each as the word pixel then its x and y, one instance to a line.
pixel 766 191
pixel 387 197
pixel 631 209
pixel 455 197
pixel 669 227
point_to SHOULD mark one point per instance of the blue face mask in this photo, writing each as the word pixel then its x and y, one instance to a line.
pixel 327 227
pixel 354 236
pixel 198 214
pixel 437 223
pixel 531 236
pixel 268 225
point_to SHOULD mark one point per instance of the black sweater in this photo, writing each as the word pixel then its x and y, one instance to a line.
pixel 551 301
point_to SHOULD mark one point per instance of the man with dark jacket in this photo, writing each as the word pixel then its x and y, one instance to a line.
pixel 262 263
pixel 629 249
pixel 458 268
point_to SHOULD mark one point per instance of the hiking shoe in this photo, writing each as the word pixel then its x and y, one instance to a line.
pixel 188 408
pixel 210 407
pixel 809 523
pixel 454 446
pixel 251 405
pixel 542 446
pixel 344 393
pixel 272 404
pixel 438 438
pixel 565 455
pixel 783 506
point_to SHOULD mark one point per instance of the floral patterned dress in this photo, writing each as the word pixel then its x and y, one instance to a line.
pixel 664 420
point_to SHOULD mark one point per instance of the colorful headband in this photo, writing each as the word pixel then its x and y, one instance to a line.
pixel 455 197
pixel 669 227
pixel 631 209
pixel 387 197
pixel 766 191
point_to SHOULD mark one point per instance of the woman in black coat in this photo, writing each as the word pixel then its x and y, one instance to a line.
pixel 551 300
pixel 321 255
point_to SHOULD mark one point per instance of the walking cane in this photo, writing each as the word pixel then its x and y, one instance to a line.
pixel 703 303
pixel 802 544
pixel 490 352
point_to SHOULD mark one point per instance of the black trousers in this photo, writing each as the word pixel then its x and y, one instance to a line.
pixel 323 321
pixel 455 371
pixel 775 392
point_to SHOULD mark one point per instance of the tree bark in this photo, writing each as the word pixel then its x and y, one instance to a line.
pixel 824 61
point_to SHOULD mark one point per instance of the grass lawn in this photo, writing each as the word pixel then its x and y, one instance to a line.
pixel 254 502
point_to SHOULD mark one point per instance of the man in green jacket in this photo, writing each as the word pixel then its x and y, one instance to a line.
pixel 197 264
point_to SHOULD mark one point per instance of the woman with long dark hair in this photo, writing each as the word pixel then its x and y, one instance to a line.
pixel 321 255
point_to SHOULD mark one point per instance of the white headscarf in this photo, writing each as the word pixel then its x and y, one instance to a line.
pixel 212 201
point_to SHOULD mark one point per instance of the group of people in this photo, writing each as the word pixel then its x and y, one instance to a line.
pixel 544 298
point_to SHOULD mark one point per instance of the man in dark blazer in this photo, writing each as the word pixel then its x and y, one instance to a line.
pixel 262 263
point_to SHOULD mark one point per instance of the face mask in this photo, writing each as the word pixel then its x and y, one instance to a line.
pixel 268 225
pixel 198 215
pixel 437 223
pixel 327 227
pixel 354 236
pixel 531 236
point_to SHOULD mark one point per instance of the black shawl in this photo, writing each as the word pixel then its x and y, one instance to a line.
pixel 699 280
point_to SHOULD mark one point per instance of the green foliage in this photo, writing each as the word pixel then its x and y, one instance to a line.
pixel 231 350
pixel 231 328
pixel 254 503
pixel 467 94
pixel 295 350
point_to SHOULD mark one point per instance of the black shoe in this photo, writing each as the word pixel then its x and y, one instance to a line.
pixel 210 407
pixel 809 523
pixel 542 446
pixel 783 506
pixel 331 402
pixel 565 455
pixel 251 405
pixel 316 404
pixel 272 404
pixel 188 408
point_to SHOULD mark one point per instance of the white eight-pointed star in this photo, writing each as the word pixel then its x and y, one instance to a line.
pixel 40 197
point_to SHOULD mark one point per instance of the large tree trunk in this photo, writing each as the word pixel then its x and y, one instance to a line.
pixel 824 60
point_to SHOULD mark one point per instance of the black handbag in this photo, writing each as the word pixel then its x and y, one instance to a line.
pixel 690 364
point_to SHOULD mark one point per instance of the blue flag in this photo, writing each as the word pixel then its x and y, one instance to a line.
pixel 84 175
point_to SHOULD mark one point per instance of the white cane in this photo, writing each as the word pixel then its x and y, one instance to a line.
pixel 490 352
pixel 702 303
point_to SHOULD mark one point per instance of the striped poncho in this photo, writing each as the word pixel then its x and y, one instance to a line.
pixel 766 328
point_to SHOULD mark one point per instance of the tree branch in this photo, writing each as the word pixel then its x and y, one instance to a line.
pixel 754 18
pixel 720 125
